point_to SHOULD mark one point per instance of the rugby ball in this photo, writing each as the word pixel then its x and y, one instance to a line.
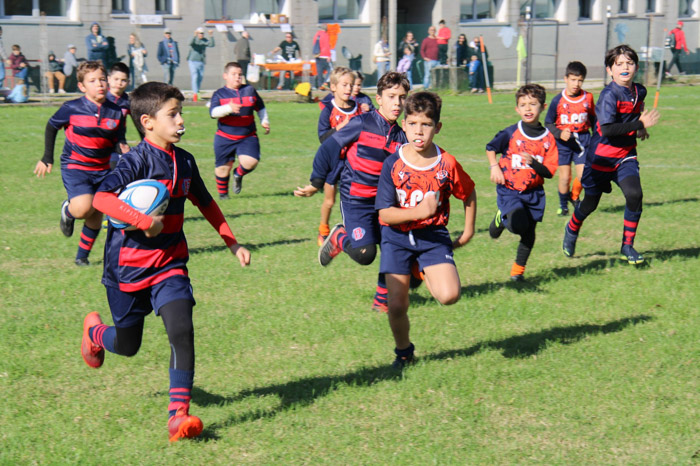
pixel 149 197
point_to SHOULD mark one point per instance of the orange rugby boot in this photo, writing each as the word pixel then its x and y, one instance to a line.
pixel 93 355
pixel 182 425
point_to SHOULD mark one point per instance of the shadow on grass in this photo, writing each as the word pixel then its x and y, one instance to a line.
pixel 200 218
pixel 621 208
pixel 249 247
pixel 303 392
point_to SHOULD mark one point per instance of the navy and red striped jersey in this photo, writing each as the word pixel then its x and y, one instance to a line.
pixel 92 132
pixel 370 139
pixel 575 113
pixel 511 143
pixel 404 185
pixel 133 261
pixel 241 125
pixel 616 104
pixel 332 115
pixel 122 101
pixel 362 98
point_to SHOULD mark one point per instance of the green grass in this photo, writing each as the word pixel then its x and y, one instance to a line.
pixel 591 361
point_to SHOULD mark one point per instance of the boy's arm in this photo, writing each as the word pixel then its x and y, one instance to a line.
pixel 469 221
pixel 387 205
pixel 262 113
pixel 44 165
pixel 109 203
pixel 498 145
pixel 496 172
pixel 324 125
pixel 550 120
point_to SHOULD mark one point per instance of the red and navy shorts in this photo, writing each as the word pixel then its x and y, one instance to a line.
pixel 226 150
pixel 428 246
pixel 79 182
pixel 532 200
pixel 130 308
pixel 596 182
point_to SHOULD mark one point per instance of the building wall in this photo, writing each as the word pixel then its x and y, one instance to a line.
pixel 583 40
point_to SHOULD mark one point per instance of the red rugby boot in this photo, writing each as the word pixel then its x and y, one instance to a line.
pixel 93 355
pixel 182 425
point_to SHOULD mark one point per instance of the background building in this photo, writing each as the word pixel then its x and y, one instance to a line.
pixel 558 30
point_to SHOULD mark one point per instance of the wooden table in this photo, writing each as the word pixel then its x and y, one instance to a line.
pixel 296 69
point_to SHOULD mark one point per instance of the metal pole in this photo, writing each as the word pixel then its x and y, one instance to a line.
pixel 608 14
pixel 528 62
pixel 556 54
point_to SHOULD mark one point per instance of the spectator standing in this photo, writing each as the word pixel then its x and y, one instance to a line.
pixel 70 63
pixel 137 60
pixel 3 60
pixel 382 56
pixel 242 51
pixel 462 52
pixel 679 46
pixel 409 40
pixel 196 58
pixel 322 52
pixel 429 53
pixel 53 71
pixel 168 56
pixel 484 59
pixel 288 48
pixel 96 44
pixel 443 38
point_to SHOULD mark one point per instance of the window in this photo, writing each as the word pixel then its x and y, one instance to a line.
pixel 685 8
pixel 163 7
pixel 239 9
pixel 477 9
pixel 540 9
pixel 120 6
pixel 651 6
pixel 623 7
pixel 338 10
pixel 33 7
pixel 584 9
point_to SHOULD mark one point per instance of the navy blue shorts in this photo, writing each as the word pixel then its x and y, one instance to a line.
pixel 596 182
pixel 508 200
pixel 428 246
pixel 574 150
pixel 79 182
pixel 361 222
pixel 226 150
pixel 129 308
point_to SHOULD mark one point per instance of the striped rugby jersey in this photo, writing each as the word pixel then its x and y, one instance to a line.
pixel 133 261
pixel 616 104
pixel 575 113
pixel 92 132
pixel 242 125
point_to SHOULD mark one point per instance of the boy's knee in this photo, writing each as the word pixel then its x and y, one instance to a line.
pixel 449 297
pixel 633 200
pixel 363 255
pixel 128 348
pixel 519 221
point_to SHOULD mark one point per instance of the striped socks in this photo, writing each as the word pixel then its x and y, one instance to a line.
pixel 87 240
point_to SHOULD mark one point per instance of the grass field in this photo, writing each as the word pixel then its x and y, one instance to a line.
pixel 591 361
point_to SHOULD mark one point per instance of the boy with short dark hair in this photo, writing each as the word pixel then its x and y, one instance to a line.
pixel 236 136
pixel 528 156
pixel 94 127
pixel 612 154
pixel 335 114
pixel 413 204
pixel 362 99
pixel 369 138
pixel 146 269
pixel 569 118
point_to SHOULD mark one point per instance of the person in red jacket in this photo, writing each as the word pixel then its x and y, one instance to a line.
pixel 678 47
pixel 443 37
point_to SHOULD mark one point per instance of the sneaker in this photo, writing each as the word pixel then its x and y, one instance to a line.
pixel 93 355
pixel 52 91
pixel 82 262
pixel 416 276
pixel 237 183
pixel 223 197
pixel 496 227
pixel 563 211
pixel 66 222
pixel 569 244
pixel 330 247
pixel 321 238
pixel 61 91
pixel 182 425
pixel 668 74
pixel 517 278
pixel 576 203
pixel 628 253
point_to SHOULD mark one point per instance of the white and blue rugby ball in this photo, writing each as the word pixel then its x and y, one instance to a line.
pixel 149 197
